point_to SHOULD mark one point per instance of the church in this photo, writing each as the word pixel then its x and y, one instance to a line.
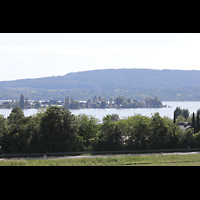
pixel 97 100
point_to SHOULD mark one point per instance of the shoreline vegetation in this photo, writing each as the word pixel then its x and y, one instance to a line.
pixel 96 102
pixel 56 130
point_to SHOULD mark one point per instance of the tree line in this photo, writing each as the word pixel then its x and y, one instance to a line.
pixel 148 103
pixel 57 130
pixel 118 102
pixel 70 103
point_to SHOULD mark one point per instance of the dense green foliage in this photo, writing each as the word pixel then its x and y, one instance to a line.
pixel 57 130
pixel 177 85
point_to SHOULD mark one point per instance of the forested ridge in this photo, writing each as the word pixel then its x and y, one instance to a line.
pixel 113 79
pixel 132 83
pixel 57 130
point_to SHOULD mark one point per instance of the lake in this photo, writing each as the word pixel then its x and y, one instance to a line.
pixel 192 106
pixel 168 111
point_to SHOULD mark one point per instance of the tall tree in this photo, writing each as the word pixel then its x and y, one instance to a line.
pixel 193 122
pixel 197 123
pixel 174 117
pixel 67 102
pixel 21 101
pixel 177 111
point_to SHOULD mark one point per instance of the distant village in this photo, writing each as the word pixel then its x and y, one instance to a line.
pixel 70 103
pixel 28 104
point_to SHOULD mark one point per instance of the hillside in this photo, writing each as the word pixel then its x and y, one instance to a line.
pixel 113 79
pixel 140 81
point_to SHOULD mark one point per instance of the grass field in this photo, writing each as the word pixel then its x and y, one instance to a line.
pixel 128 160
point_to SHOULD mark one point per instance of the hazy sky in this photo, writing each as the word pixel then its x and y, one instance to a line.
pixel 33 55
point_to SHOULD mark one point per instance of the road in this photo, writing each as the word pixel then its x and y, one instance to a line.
pixel 75 155
pixel 94 156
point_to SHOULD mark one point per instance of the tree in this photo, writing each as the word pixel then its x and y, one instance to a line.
pixel 37 104
pixel 125 104
pixel 57 130
pixel 157 102
pixel 103 104
pixel 74 105
pixel 119 100
pixel 87 130
pixel 138 130
pixel 180 119
pixel 193 122
pixel 197 122
pixel 67 102
pixel 3 134
pixel 15 116
pixel 177 112
pixel 147 101
pixel 135 104
pixel 110 138
pixel 111 118
pixel 174 119
pixel 115 117
pixel 173 134
pixel 159 131
pixel 13 138
pixel 185 113
pixel 21 101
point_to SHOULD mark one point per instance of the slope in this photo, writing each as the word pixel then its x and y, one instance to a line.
pixel 113 79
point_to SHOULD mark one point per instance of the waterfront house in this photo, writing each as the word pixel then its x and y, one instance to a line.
pixel 185 126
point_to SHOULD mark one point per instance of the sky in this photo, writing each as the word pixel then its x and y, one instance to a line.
pixel 34 55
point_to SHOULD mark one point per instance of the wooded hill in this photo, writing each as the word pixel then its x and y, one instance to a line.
pixel 133 83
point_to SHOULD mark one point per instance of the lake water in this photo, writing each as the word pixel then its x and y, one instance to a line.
pixel 192 106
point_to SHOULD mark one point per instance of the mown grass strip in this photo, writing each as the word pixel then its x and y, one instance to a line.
pixel 141 160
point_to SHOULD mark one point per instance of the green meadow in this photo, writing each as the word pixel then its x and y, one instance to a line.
pixel 128 160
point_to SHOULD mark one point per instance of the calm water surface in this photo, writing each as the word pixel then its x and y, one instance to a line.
pixel 168 111
pixel 192 106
